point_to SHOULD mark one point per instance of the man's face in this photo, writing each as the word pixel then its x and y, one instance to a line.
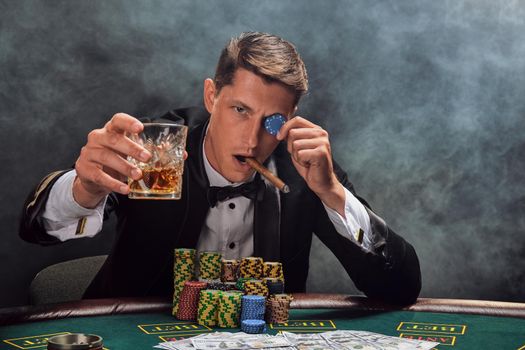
pixel 236 123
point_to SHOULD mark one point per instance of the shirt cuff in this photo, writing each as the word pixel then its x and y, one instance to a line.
pixel 64 218
pixel 356 225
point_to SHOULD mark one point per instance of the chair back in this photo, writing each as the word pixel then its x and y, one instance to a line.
pixel 65 281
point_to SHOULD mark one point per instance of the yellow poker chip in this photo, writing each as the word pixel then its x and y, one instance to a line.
pixel 273 123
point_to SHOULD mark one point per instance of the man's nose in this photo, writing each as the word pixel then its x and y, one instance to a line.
pixel 253 132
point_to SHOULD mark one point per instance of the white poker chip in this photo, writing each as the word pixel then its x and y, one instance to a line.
pixel 273 123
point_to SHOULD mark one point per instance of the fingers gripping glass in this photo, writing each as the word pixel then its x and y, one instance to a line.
pixel 162 174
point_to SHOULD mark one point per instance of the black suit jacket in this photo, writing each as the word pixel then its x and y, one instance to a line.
pixel 141 260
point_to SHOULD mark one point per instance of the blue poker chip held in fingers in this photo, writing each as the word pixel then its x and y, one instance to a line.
pixel 273 123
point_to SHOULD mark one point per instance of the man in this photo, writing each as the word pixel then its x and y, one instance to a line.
pixel 257 75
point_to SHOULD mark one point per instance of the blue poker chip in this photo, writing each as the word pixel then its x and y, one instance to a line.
pixel 273 123
pixel 253 326
pixel 253 307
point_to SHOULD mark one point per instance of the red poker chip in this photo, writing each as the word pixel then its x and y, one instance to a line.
pixel 196 284
pixel 189 300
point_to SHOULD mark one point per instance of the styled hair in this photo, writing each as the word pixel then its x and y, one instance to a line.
pixel 269 56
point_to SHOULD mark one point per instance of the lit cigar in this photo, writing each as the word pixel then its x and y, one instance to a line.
pixel 267 174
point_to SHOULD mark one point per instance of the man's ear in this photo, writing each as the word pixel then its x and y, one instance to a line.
pixel 294 111
pixel 209 94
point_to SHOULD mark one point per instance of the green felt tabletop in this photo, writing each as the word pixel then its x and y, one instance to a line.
pixel 143 331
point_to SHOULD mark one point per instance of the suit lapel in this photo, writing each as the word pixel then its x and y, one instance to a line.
pixel 269 218
pixel 266 225
pixel 196 183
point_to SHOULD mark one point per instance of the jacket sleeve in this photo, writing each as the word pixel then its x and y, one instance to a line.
pixel 31 228
pixel 390 272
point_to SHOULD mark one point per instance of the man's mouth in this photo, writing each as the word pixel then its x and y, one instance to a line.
pixel 241 159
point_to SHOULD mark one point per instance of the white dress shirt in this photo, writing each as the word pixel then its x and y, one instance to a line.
pixel 228 227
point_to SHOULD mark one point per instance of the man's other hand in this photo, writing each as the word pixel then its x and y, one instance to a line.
pixel 309 147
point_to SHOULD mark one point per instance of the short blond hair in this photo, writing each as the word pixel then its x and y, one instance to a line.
pixel 269 56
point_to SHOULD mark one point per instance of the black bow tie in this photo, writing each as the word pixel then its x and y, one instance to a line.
pixel 251 190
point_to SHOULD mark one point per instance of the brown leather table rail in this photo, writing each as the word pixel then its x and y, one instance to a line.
pixel 99 307
pixel 458 306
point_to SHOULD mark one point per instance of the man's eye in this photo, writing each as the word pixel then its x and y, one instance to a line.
pixel 240 110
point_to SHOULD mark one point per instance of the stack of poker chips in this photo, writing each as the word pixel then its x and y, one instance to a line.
pixel 274 277
pixel 256 287
pixel 183 270
pixel 229 270
pixel 229 309
pixel 241 281
pixel 189 300
pixel 251 267
pixel 210 266
pixel 253 326
pixel 253 307
pixel 273 270
pixel 224 286
pixel 215 303
pixel 277 308
pixel 274 285
pixel 208 307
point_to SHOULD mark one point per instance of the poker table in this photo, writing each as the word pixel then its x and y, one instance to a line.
pixel 142 323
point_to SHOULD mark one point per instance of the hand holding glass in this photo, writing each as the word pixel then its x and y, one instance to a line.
pixel 162 174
